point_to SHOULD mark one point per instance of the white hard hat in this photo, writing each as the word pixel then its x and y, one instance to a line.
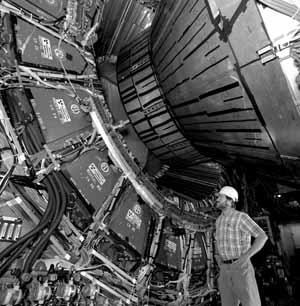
pixel 230 192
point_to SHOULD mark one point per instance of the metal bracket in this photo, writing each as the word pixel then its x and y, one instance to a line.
pixel 119 125
pixel 272 51
pixel 266 54
pixel 38 157
pixel 52 157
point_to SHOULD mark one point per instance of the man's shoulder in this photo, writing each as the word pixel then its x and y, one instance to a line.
pixel 239 214
pixel 242 215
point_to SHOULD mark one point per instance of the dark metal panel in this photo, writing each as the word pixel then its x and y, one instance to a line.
pixel 94 177
pixel 59 114
pixel 55 115
pixel 169 252
pixel 131 221
pixel 196 67
pixel 197 181
pixel 146 106
pixel 243 28
pixel 36 47
pixel 277 108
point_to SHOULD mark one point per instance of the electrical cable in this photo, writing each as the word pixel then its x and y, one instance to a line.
pixel 42 224
pixel 8 174
pixel 4 266
pixel 17 118
pixel 6 177
pixel 187 250
pixel 33 144
pixel 75 155
pixel 61 202
pixel 91 268
pixel 54 200
pixel 24 181
pixel 36 138
pixel 52 22
pixel 15 253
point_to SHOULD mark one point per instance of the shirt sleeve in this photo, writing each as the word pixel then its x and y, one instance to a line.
pixel 250 226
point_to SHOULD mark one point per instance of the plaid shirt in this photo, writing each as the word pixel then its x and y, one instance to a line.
pixel 233 234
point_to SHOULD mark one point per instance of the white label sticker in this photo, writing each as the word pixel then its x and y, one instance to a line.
pixel 137 209
pixel 61 110
pixel 96 174
pixel 170 246
pixel 59 53
pixel 105 167
pixel 45 46
pixel 133 219
pixel 75 109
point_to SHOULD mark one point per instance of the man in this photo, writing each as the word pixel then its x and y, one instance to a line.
pixel 234 229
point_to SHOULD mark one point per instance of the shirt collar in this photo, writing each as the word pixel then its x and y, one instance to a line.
pixel 229 213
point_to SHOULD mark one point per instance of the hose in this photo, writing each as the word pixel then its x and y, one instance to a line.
pixel 12 258
pixel 53 200
pixel 25 181
pixel 61 201
pixel 42 224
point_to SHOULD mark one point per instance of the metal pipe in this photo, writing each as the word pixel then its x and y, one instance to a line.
pixel 112 266
pixel 118 29
pixel 127 300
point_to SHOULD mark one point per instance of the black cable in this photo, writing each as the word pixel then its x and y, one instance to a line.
pixel 16 252
pixel 61 202
pixel 42 224
pixel 32 139
pixel 13 257
pixel 16 118
pixel 20 245
pixel 8 175
pixel 70 159
pixel 52 22
pixel 36 138
pixel 187 251
pixel 53 198
pixel 25 181
pixel 33 143
pixel 28 145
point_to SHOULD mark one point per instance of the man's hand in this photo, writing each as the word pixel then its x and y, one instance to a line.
pixel 258 243
pixel 218 260
pixel 243 260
